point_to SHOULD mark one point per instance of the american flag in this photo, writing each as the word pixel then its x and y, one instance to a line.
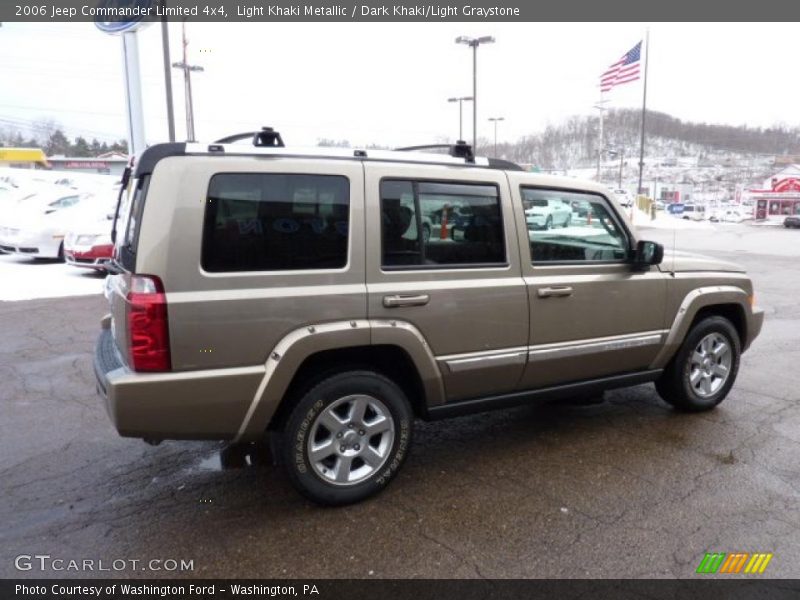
pixel 625 70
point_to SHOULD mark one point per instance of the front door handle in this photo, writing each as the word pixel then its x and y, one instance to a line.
pixel 401 300
pixel 554 292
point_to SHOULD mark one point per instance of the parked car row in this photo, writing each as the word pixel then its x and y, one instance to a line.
pixel 46 215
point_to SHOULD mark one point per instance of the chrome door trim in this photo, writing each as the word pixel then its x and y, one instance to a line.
pixel 595 345
pixel 502 357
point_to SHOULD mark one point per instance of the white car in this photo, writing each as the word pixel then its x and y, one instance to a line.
pixel 38 225
pixel 548 213
pixel 624 197
pixel 731 216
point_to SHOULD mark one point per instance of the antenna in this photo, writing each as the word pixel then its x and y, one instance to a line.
pixel 674 245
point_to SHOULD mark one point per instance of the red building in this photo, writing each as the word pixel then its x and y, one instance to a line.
pixel 779 197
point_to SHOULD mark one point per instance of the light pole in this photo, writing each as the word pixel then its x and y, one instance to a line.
pixel 614 154
pixel 460 101
pixel 474 43
pixel 167 75
pixel 187 82
pixel 495 120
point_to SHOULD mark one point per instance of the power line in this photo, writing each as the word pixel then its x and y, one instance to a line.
pixel 39 127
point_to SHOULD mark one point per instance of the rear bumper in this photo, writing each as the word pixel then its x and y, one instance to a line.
pixel 36 245
pixel 88 263
pixel 199 405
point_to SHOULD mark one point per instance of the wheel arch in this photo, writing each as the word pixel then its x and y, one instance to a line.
pixel 730 302
pixel 394 348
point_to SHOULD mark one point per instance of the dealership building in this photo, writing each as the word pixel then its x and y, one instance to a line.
pixel 105 164
pixel 778 197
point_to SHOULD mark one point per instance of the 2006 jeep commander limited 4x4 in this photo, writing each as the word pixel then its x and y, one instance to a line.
pixel 329 297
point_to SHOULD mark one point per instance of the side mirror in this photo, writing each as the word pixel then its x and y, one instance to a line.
pixel 646 254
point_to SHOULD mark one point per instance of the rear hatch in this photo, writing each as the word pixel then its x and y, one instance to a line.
pixel 125 238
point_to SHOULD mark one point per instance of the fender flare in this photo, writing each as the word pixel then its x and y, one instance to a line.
pixel 294 348
pixel 694 301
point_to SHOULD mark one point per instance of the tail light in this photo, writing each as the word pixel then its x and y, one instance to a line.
pixel 148 328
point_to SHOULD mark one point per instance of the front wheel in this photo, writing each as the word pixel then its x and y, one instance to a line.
pixel 347 437
pixel 548 223
pixel 704 369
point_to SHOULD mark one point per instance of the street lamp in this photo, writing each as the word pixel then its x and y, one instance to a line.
pixel 495 120
pixel 460 101
pixel 474 43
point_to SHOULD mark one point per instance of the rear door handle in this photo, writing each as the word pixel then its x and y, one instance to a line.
pixel 401 300
pixel 554 292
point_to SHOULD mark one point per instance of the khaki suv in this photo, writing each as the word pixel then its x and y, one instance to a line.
pixel 264 291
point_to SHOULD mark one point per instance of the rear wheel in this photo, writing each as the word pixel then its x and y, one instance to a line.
pixel 703 371
pixel 347 437
pixel 548 222
pixel 568 220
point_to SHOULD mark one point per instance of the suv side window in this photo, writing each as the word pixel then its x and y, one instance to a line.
pixel 429 224
pixel 276 222
pixel 572 227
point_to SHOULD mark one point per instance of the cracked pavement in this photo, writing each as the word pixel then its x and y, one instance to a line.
pixel 627 488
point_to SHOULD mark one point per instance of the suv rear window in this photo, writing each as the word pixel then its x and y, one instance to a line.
pixel 276 222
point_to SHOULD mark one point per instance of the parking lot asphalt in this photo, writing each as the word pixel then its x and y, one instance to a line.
pixel 626 488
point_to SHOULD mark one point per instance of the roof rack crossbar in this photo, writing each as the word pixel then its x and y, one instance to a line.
pixel 423 147
pixel 266 137
pixel 460 149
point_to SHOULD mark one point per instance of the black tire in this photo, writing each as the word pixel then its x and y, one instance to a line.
pixel 548 223
pixel 306 419
pixel 675 386
pixel 568 221
pixel 426 233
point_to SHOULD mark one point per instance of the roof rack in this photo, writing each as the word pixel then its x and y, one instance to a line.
pixel 460 149
pixel 267 137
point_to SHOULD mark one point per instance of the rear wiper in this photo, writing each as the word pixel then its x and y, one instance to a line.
pixel 126 177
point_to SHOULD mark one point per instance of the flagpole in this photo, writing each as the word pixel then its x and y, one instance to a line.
pixel 600 137
pixel 600 106
pixel 644 112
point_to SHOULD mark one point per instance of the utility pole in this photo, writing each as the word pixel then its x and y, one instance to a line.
pixel 187 81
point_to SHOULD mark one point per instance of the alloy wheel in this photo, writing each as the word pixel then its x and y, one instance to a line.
pixel 350 439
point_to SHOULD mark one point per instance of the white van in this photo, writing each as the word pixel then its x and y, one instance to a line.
pixel 694 212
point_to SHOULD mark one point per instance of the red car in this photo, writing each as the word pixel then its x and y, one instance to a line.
pixel 89 246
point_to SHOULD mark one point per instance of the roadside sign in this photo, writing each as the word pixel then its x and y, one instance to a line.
pixel 123 24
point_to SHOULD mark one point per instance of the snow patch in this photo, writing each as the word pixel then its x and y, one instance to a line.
pixel 641 220
pixel 26 279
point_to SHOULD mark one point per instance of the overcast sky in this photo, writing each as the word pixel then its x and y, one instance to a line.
pixel 389 83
